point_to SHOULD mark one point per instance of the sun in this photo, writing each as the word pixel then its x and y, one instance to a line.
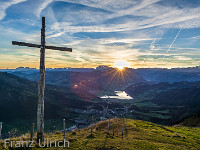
pixel 120 64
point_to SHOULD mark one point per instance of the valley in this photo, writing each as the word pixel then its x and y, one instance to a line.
pixel 77 96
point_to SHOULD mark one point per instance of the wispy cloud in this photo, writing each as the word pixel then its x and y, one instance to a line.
pixel 182 58
pixel 5 4
pixel 100 32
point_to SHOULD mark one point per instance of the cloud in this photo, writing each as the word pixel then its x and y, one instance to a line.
pixel 4 5
pixel 102 31
pixel 182 58
pixel 42 6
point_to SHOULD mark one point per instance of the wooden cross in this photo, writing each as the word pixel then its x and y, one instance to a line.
pixel 41 83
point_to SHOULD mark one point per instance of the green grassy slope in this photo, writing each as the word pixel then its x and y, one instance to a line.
pixel 140 135
pixel 18 104
pixel 193 121
pixel 164 103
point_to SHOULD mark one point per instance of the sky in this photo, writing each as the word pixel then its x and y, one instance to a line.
pixel 144 33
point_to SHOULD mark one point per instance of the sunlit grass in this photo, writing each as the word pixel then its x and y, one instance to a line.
pixel 140 135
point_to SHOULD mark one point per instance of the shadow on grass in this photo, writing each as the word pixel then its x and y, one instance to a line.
pixel 105 142
pixel 91 136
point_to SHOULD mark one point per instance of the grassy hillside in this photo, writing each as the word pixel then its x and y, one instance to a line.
pixel 140 135
pixel 164 103
pixel 193 121
pixel 18 103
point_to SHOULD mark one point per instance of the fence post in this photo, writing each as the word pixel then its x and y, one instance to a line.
pixel 32 131
pixel 113 129
pixel 117 131
pixel 126 130
pixel 122 131
pixel 0 129
pixel 64 127
pixel 92 127
pixel 108 125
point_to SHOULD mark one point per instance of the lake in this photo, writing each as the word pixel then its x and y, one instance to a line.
pixel 119 95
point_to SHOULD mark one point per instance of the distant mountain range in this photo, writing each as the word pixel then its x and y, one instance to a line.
pixel 93 83
pixel 156 75
pixel 153 75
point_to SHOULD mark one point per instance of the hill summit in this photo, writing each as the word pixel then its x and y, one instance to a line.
pixel 139 135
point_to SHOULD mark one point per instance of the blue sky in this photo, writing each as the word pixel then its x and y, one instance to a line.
pixel 145 33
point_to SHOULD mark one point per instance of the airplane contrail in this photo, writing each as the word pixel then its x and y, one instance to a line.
pixel 172 42
pixel 153 43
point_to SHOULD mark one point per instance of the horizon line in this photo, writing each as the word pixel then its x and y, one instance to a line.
pixel 21 67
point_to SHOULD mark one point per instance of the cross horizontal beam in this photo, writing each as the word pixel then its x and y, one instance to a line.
pixel 39 46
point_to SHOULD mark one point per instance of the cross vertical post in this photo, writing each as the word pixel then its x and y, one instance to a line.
pixel 41 86
pixel 41 83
